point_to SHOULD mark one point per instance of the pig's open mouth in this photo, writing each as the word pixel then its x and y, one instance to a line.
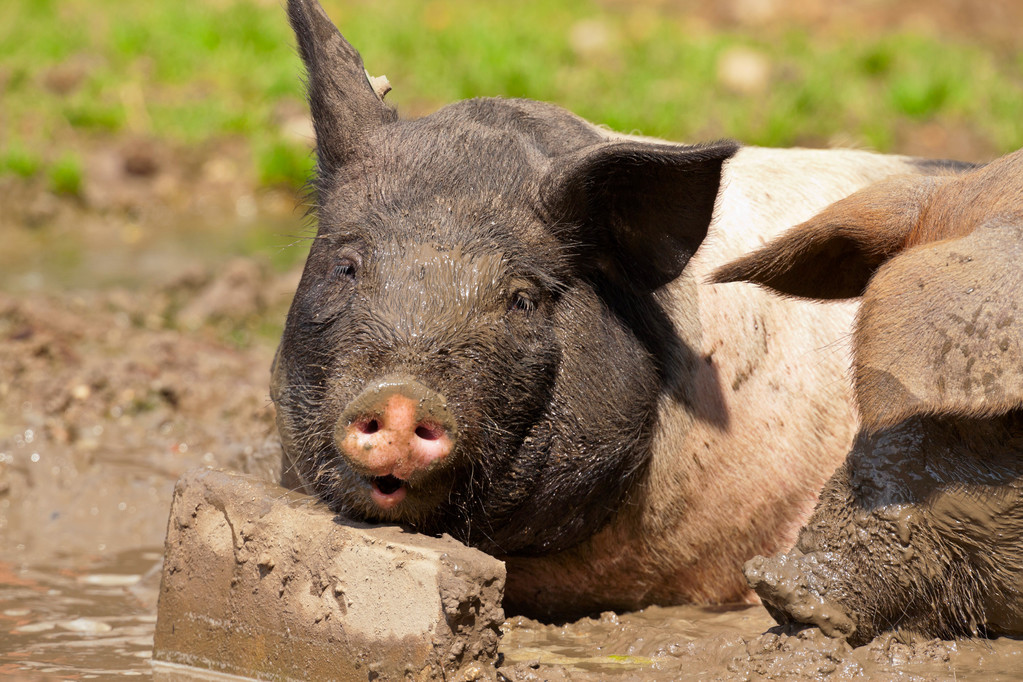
pixel 388 485
pixel 387 492
pixel 391 498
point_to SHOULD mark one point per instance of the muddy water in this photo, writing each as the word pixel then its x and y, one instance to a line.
pixel 736 643
pixel 106 397
pixel 80 618
pixel 94 620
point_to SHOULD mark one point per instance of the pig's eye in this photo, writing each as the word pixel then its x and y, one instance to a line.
pixel 345 268
pixel 522 301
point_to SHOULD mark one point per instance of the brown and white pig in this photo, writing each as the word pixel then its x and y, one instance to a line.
pixel 922 528
pixel 501 333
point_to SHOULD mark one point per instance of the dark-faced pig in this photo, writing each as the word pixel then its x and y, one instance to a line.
pixel 921 528
pixel 501 333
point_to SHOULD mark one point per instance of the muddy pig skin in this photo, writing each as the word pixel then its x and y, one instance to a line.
pixel 921 528
pixel 502 332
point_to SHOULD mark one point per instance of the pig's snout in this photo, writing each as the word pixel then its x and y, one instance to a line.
pixel 396 430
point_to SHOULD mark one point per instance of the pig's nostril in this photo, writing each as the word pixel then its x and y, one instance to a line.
pixel 388 485
pixel 368 427
pixel 429 432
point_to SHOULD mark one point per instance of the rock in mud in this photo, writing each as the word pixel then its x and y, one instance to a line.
pixel 266 583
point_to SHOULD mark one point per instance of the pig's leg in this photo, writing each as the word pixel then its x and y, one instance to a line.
pixel 816 587
pixel 888 547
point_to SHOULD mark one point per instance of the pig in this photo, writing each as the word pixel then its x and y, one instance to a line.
pixel 502 333
pixel 919 530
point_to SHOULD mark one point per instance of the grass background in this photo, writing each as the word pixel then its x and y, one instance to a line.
pixel 193 72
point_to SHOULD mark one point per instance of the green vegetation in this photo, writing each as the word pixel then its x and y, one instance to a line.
pixel 20 161
pixel 279 162
pixel 66 175
pixel 193 72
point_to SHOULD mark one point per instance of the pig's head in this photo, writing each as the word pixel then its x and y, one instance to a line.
pixel 936 260
pixel 471 348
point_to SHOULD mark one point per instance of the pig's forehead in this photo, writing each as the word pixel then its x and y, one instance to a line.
pixel 489 250
pixel 448 178
pixel 465 148
pixel 489 145
pixel 457 262
pixel 419 207
pixel 484 218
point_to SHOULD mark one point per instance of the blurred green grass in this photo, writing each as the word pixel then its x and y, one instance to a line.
pixel 194 72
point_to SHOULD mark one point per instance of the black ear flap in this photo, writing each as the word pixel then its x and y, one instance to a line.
pixel 344 104
pixel 834 254
pixel 645 206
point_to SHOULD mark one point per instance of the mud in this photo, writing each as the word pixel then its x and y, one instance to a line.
pixel 733 643
pixel 268 583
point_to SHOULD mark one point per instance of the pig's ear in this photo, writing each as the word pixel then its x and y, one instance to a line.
pixel 645 207
pixel 834 254
pixel 344 104
pixel 940 330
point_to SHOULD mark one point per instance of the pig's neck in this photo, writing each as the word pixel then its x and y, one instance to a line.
pixel 741 450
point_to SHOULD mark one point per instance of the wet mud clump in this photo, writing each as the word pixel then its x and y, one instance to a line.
pixel 265 583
